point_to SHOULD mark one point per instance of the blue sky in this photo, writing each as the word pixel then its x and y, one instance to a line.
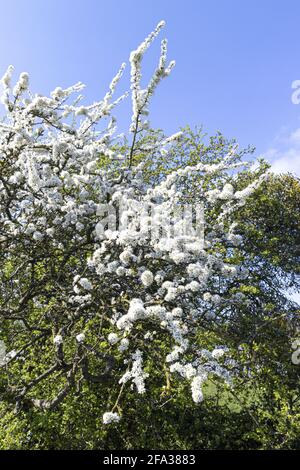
pixel 235 60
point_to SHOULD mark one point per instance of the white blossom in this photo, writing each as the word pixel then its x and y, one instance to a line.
pixel 37 236
pixel 196 386
pixel 124 344
pixel 80 338
pixel 217 353
pixel 113 338
pixel 147 278
pixel 58 339
pixel 110 417
pixel 136 373
pixel 207 296
pixel 147 275
pixel 85 283
pixel 22 84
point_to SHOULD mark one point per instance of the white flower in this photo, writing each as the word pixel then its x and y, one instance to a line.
pixel 177 256
pixel 149 335
pixel 110 417
pixel 136 310
pixel 194 270
pixel 57 93
pixel 229 271
pixel 138 95
pixel 56 190
pixel 177 367
pixel 216 299
pixel 112 267
pixel 34 180
pixel 11 354
pixel 6 79
pixel 120 271
pixel 171 294
pixel 80 338
pixel 194 286
pixel 50 232
pixel 227 192
pixel 217 353
pixel 126 257
pixel 236 240
pixel 147 278
pixel 124 344
pixel 213 195
pixel 196 387
pixel 207 297
pixel 177 312
pixel 174 355
pixel 124 323
pixel 189 371
pixel 167 285
pixel 22 84
pixel 58 340
pixel 113 338
pixel 37 236
pixel 85 283
pixel 136 374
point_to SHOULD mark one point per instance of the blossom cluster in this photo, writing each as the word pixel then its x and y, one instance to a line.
pixel 57 166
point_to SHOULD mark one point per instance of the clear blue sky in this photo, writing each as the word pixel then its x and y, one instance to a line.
pixel 235 60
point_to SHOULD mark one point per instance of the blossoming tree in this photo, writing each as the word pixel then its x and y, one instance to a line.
pixel 86 288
